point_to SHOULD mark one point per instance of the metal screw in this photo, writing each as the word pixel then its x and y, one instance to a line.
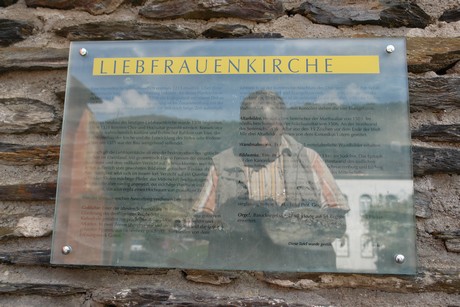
pixel 67 249
pixel 399 258
pixel 83 52
pixel 390 49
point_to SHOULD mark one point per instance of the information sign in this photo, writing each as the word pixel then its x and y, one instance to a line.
pixel 272 155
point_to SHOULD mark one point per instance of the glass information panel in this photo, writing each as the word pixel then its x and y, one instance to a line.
pixel 273 155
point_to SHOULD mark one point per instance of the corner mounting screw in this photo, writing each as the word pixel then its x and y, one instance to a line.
pixel 67 249
pixel 399 258
pixel 390 49
pixel 83 52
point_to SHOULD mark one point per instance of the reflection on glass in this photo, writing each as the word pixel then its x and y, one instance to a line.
pixel 367 246
pixel 253 171
pixel 341 246
pixel 275 200
pixel 365 202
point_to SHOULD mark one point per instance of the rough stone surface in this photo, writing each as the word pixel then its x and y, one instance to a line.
pixel 213 277
pixel 264 35
pixel 455 69
pixel 226 31
pixel 33 59
pixel 298 26
pixel 10 214
pixel 125 31
pixel 7 226
pixel 395 283
pixel 451 238
pixel 451 15
pixel 54 4
pixel 42 289
pixel 22 155
pixel 434 92
pixel 4 3
pixel 94 7
pixel 12 31
pixel 37 300
pixel 30 226
pixel 438 133
pixel 261 11
pixel 422 202
pixel 434 159
pixel 29 192
pixel 154 296
pixel 404 14
pixel 432 54
pixel 388 14
pixel 434 233
pixel 19 115
pixel 436 8
pixel 453 245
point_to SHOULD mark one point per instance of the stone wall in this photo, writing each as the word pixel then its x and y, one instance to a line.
pixel 34 42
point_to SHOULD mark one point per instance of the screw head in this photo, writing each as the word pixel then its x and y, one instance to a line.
pixel 67 249
pixel 390 49
pixel 399 258
pixel 83 52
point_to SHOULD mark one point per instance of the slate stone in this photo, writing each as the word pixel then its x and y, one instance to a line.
pixel 140 271
pixel 216 278
pixel 12 31
pixel 226 31
pixel 438 133
pixel 120 30
pixel 5 3
pixel 40 289
pixel 136 2
pixel 351 12
pixel 21 115
pixel 102 6
pixel 263 35
pixel 261 11
pixel 432 160
pixel 408 15
pixel 94 7
pixel 53 4
pixel 333 15
pixel 13 154
pixel 151 296
pixel 454 69
pixel 41 257
pixel 452 15
pixel 447 235
pixel 453 246
pixel 29 192
pixel 451 238
pixel 33 58
pixel 422 201
pixel 445 280
pixel 432 53
pixel 438 93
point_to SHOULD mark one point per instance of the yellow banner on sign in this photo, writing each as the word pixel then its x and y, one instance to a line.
pixel 234 65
